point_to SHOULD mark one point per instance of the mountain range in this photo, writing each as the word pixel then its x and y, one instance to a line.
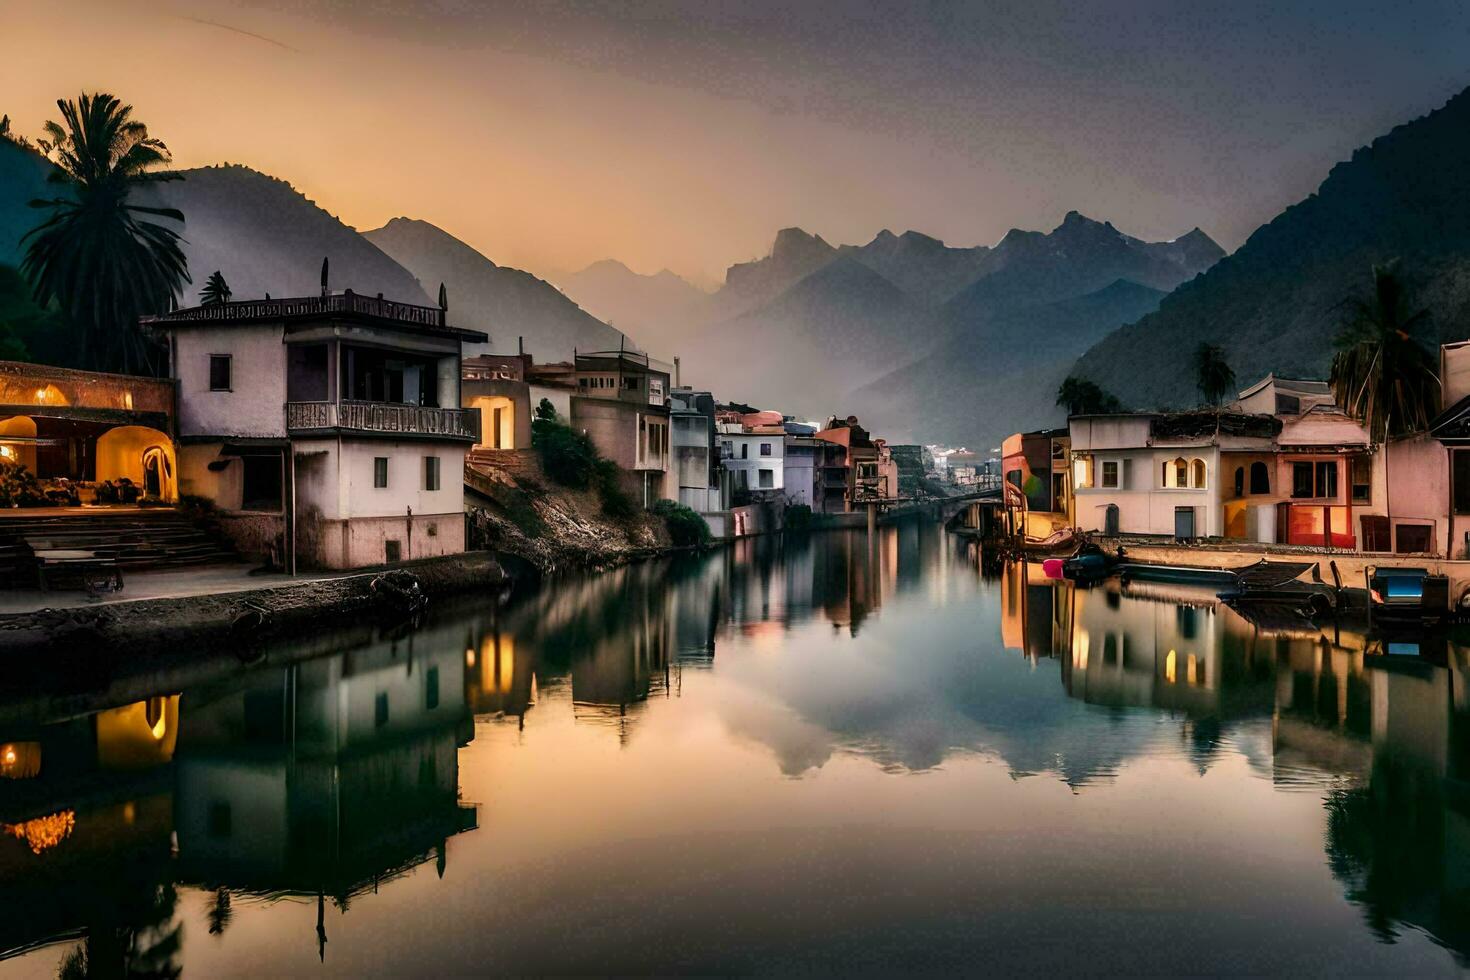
pixel 815 328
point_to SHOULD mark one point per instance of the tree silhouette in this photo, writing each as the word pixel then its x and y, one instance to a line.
pixel 1381 374
pixel 216 291
pixel 102 263
pixel 1213 373
pixel 1082 397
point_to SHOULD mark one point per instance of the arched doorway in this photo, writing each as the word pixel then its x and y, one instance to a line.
pixel 158 473
pixel 140 455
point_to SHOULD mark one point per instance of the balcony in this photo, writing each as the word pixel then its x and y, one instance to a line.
pixel 383 419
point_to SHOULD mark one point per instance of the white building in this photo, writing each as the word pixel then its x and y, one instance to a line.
pixel 753 450
pixel 325 430
pixel 1142 473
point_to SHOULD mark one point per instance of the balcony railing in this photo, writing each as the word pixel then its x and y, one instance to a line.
pixel 274 309
pixel 385 419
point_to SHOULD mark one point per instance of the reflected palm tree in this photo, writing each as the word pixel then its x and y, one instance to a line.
pixel 147 947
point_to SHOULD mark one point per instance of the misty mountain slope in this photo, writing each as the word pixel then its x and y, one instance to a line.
pixel 1277 304
pixel 1078 257
pixel 505 303
pixel 794 255
pixel 978 387
pixel 661 310
pixel 266 237
pixel 22 179
pixel 830 332
pixel 924 267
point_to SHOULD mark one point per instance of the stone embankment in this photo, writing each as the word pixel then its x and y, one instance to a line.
pixel 248 620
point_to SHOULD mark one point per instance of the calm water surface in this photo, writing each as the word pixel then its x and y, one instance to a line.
pixel 831 755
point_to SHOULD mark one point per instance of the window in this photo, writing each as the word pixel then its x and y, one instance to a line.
pixel 1260 478
pixel 1327 478
pixel 1110 473
pixel 1181 474
pixel 260 483
pixel 1082 472
pixel 767 479
pixel 1288 405
pixel 745 450
pixel 1314 480
pixel 765 449
pixel 380 471
pixel 219 372
pixel 1363 480
pixel 1240 481
pixel 1412 539
pixel 392 550
pixel 1301 479
pixel 431 472
pixel 744 481
pixel 1461 476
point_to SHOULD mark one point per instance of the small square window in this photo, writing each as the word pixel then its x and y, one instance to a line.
pixel 392 550
pixel 219 372
pixel 765 449
pixel 767 478
pixel 1110 473
pixel 431 472
pixel 380 471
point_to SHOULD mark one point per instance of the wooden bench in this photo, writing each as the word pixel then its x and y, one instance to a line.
pixel 97 574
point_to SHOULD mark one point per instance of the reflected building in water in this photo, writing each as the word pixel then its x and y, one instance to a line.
pixel 325 778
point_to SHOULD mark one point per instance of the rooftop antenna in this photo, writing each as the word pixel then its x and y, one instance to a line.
pixel 324 276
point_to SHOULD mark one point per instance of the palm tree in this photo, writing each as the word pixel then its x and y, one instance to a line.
pixel 1215 377
pixel 216 291
pixel 1382 375
pixel 1083 397
pixel 94 255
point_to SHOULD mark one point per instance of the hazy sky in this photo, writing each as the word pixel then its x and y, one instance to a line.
pixel 552 134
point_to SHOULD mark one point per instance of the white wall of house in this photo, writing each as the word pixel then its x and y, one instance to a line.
pixel 343 520
pixel 799 474
pixel 746 457
pixel 1146 504
pixel 255 404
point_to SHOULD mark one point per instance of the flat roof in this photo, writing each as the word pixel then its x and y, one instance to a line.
pixel 374 310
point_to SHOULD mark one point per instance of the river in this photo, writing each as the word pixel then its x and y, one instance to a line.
pixel 829 753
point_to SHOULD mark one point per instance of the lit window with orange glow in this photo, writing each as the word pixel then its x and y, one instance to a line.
pixel 20 760
pixel 1169 660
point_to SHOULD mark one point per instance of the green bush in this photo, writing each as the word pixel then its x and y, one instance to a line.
pixel 685 526
pixel 567 456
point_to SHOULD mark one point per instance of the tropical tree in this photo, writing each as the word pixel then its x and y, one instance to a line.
pixel 1213 373
pixel 1382 374
pixel 96 254
pixel 216 291
pixel 1083 397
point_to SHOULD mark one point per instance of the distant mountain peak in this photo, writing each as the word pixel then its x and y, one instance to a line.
pixel 795 245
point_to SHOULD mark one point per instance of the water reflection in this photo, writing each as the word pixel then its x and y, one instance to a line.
pixel 140 828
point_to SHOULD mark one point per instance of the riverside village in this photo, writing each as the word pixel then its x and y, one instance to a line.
pixel 368 606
